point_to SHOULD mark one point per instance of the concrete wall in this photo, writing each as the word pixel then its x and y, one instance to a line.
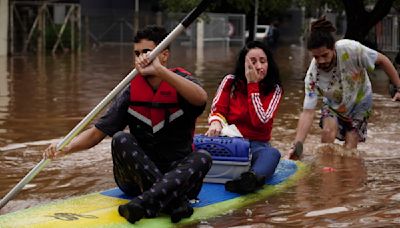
pixel 3 27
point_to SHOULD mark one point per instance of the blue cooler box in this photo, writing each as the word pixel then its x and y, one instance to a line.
pixel 231 156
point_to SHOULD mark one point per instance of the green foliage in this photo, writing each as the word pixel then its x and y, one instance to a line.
pixel 396 5
pixel 359 22
pixel 51 36
pixel 179 5
pixel 313 6
pixel 271 9
pixel 335 5
pixel 267 8
pixel 186 6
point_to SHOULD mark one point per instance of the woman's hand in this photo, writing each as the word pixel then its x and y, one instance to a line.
pixel 214 129
pixel 51 152
pixel 251 72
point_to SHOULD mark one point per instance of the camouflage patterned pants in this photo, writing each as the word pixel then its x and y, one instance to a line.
pixel 135 174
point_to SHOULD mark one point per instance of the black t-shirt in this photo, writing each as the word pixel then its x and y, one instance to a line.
pixel 171 143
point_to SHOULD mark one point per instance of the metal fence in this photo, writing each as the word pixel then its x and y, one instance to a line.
pixel 103 25
pixel 97 26
pixel 37 26
pixel 120 26
pixel 387 34
pixel 228 29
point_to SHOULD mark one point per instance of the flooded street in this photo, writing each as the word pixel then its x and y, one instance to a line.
pixel 43 98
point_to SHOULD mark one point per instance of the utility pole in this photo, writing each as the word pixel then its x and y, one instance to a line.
pixel 136 18
pixel 255 18
pixel 3 27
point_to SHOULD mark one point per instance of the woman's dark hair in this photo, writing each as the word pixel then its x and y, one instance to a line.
pixel 153 33
pixel 271 79
pixel 321 34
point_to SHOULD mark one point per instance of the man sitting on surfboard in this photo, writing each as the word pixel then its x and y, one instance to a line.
pixel 339 74
pixel 155 162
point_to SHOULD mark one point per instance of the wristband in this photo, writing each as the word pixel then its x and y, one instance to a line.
pixel 218 117
pixel 214 120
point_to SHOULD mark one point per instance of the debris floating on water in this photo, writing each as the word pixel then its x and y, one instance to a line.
pixel 28 186
pixel 333 210
pixel 328 169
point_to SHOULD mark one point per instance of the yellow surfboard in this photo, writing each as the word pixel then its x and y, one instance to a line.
pixel 101 209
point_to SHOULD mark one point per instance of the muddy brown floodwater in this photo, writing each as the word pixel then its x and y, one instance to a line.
pixel 43 97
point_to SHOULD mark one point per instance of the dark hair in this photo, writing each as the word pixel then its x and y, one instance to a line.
pixel 271 79
pixel 151 32
pixel 321 34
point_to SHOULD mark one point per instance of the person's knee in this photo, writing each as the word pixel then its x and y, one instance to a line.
pixel 205 157
pixel 118 140
pixel 266 162
pixel 329 130
pixel 350 145
pixel 328 135
pixel 120 137
pixel 351 140
pixel 275 153
pixel 270 154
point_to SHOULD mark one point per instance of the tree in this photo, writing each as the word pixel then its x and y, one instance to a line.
pixel 360 20
pixel 269 10
pixel 362 15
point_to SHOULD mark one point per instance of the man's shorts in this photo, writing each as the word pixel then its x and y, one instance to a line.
pixel 360 126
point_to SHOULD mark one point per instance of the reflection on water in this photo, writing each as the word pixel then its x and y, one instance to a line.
pixel 4 93
pixel 43 97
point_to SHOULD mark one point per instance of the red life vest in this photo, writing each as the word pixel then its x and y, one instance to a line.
pixel 155 109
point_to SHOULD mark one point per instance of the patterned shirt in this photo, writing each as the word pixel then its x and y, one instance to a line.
pixel 346 89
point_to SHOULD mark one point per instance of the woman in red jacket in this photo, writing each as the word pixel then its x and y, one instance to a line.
pixel 249 99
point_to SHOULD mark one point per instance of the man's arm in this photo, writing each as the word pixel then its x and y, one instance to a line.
pixel 303 127
pixel 189 90
pixel 389 69
pixel 85 140
pixel 304 124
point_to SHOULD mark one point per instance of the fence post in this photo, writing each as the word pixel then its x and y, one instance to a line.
pixel 79 23
pixel 41 29
pixel 3 27
pixel 199 45
pixel 395 41
pixel 136 18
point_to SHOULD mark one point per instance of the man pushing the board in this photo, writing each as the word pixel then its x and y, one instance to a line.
pixel 339 74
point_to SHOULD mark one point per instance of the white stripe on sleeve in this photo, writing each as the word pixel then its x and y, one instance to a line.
pixel 266 115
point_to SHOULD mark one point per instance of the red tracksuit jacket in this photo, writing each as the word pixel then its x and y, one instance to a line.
pixel 251 112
